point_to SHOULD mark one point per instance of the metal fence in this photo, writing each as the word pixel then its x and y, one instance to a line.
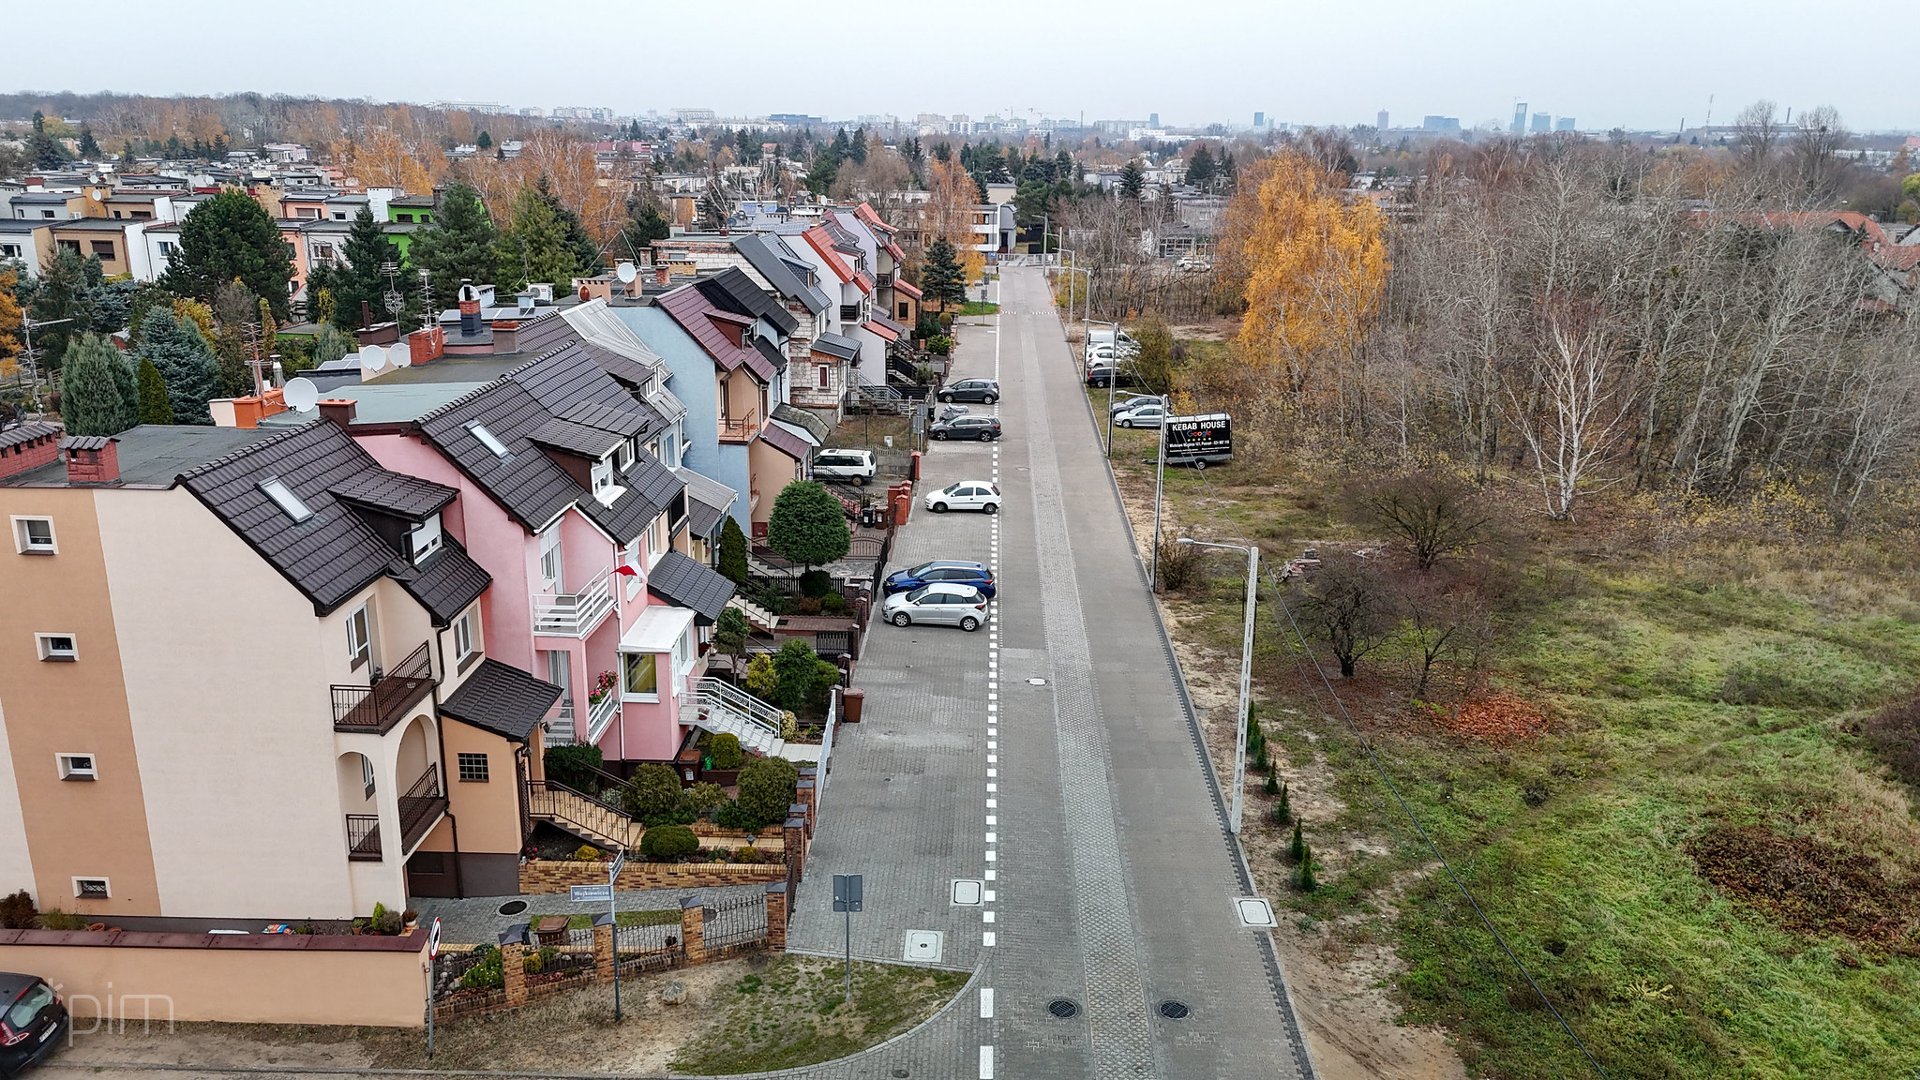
pixel 824 765
pixel 735 925
pixel 648 948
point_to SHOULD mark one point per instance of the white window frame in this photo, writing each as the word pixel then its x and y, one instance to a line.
pixel 623 456
pixel 553 564
pixel 630 556
pixel 487 439
pixel 656 542
pixel 463 637
pixel 43 643
pixel 63 762
pixel 425 538
pixel 366 774
pixel 283 496
pixel 360 636
pixel 23 542
pixel 631 695
pixel 603 474
pixel 106 885
pixel 684 654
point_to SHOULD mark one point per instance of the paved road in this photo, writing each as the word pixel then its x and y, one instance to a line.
pixel 1051 758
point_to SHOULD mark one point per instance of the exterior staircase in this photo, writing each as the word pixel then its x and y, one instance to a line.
pixel 757 617
pixel 722 708
pixel 594 819
pixel 879 398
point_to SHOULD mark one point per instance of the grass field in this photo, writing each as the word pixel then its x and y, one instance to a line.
pixel 1699 695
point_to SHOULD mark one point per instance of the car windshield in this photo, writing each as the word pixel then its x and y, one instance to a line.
pixel 918 594
pixel 917 571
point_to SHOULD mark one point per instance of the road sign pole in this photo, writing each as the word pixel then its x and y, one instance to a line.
pixel 613 924
pixel 1159 479
pixel 849 956
pixel 433 959
pixel 847 897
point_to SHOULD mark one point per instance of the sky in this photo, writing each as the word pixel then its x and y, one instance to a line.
pixel 1631 63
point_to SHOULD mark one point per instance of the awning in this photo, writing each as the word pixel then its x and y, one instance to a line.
pixel 837 346
pixel 902 285
pixel 501 699
pixel 708 501
pixel 880 329
pixel 658 629
pixel 680 581
pixel 787 441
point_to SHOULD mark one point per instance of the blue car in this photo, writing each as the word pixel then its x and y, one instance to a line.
pixel 957 572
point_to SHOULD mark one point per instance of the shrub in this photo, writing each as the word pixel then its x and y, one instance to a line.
pixel 55 919
pixel 1297 847
pixel 1283 810
pixel 805 605
pixel 701 800
pixel 735 816
pixel 761 678
pixel 653 794
pixel 17 912
pixel 576 766
pixel 1180 566
pixel 486 974
pixel 1303 875
pixel 1256 735
pixel 798 676
pixel 386 922
pixel 667 843
pixel 725 751
pixel 767 787
pixel 833 604
pixel 816 583
pixel 1272 786
pixel 588 853
pixel 747 855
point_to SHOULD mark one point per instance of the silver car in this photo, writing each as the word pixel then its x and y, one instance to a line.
pixel 938 604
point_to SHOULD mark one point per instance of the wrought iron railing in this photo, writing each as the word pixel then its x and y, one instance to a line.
pixel 375 707
pixel 423 805
pixel 363 837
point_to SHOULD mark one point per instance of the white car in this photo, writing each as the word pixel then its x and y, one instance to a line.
pixel 1142 416
pixel 941 603
pixel 855 465
pixel 965 495
pixel 1194 265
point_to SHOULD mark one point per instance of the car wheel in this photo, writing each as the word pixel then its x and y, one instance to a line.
pixel 938 436
pixel 991 508
pixel 1199 466
pixel 969 624
pixel 940 508
pixel 943 398
pixel 1124 422
pixel 901 618
pixel 859 481
pixel 990 398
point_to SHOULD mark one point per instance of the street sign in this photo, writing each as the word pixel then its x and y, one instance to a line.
pixel 847 890
pixel 619 864
pixel 433 939
pixel 590 894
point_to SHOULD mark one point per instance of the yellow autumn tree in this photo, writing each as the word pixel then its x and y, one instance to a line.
pixel 10 319
pixel 1316 267
pixel 951 196
pixel 382 159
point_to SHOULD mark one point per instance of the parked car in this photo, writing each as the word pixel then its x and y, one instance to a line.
pixel 855 465
pixel 986 391
pixel 943 604
pixel 33 1021
pixel 1142 416
pixel 1103 374
pixel 965 495
pixel 952 571
pixel 1129 400
pixel 1194 265
pixel 984 428
pixel 1105 335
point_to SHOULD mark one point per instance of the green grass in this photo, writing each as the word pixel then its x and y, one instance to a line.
pixel 576 921
pixel 1678 704
pixel 978 307
pixel 794 1014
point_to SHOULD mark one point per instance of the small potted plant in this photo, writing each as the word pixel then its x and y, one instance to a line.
pixel 603 685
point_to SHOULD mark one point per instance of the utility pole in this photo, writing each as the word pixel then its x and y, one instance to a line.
pixel 1159 481
pixel 1246 674
pixel 33 366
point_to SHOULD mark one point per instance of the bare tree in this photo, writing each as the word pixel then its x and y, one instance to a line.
pixel 1571 425
pixel 1433 510
pixel 1351 609
pixel 1442 626
pixel 1758 132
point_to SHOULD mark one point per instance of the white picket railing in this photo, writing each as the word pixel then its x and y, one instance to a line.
pixel 573 614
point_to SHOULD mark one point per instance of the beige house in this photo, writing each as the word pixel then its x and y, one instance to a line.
pixel 244 678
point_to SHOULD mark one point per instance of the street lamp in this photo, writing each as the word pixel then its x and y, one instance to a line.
pixel 1113 376
pixel 1246 674
pixel 1089 273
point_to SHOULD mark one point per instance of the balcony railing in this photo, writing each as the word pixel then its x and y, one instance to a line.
pixel 424 804
pixel 363 837
pixel 373 709
pixel 850 313
pixel 600 714
pixel 741 428
pixel 573 614
pixel 883 281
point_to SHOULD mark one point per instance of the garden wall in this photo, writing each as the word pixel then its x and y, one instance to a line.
pixel 556 876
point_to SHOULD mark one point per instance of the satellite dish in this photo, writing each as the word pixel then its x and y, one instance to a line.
pixel 625 272
pixel 373 358
pixel 301 394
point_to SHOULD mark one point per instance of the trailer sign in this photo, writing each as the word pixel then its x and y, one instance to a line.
pixel 1201 439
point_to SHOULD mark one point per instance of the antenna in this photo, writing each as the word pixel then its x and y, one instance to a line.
pixel 373 358
pixel 302 394
pixel 625 272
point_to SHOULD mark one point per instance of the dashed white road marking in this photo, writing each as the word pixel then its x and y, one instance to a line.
pixel 986 1003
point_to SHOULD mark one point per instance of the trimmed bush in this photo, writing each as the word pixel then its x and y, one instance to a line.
pixel 17 912
pixel 703 799
pixel 725 751
pixel 487 973
pixel 588 853
pixel 1283 810
pixel 816 583
pixel 734 816
pixel 1297 847
pixel 576 766
pixel 833 604
pixel 767 787
pixel 653 794
pixel 1303 876
pixel 1272 786
pixel 668 843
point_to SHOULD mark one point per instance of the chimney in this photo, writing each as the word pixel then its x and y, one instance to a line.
pixel 469 311
pixel 91 459
pixel 27 447
pixel 338 410
pixel 426 346
pixel 506 336
pixel 662 275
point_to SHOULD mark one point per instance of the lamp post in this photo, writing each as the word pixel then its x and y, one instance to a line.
pixel 1089 273
pixel 33 366
pixel 1113 375
pixel 1246 675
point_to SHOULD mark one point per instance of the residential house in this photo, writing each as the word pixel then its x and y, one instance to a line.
pixel 49 205
pixel 247 678
pixel 141 205
pixel 27 242
pixel 411 209
pixel 120 245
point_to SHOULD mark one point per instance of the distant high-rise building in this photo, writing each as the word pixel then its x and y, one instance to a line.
pixel 1542 122
pixel 1446 125
pixel 1153 119
pixel 1519 119
pixel 1380 120
pixel 1565 123
pixel 1259 119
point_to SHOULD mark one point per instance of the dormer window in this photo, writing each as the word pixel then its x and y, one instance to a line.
pixel 424 539
pixel 487 439
pixel 285 499
pixel 623 456
pixel 602 475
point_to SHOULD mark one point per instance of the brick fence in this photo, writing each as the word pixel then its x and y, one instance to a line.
pixel 555 876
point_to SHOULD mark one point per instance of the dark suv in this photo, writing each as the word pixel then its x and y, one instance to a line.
pixel 982 390
pixel 985 428
pixel 32 1021
pixel 958 572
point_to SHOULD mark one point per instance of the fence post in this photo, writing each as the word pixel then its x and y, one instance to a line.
pixel 513 972
pixel 605 954
pixel 693 930
pixel 777 916
pixel 803 791
pixel 795 841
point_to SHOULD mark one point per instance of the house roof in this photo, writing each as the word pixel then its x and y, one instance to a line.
pixel 708 501
pixel 651 489
pixel 901 284
pixel 867 214
pixel 760 253
pixel 448 582
pixel 803 418
pixel 786 441
pixel 836 345
pixel 821 241
pixel 684 583
pixel 612 343
pixel 696 313
pixel 395 493
pixel 150 456
pixel 502 699
pixel 878 321
pixel 27 432
pixel 749 299
pixel 589 442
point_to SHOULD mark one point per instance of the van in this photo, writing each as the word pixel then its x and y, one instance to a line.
pixel 1105 336
pixel 854 465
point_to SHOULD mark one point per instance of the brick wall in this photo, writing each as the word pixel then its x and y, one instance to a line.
pixel 555 876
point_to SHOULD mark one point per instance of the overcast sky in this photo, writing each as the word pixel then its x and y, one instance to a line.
pixel 1637 63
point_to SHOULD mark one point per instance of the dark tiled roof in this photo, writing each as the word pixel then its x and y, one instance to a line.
pixel 448 583
pixel 526 483
pixel 803 418
pixel 501 699
pixel 331 555
pixel 836 345
pixel 86 442
pixel 707 501
pixel 739 293
pixel 772 359
pixel 786 442
pixel 624 422
pixel 877 317
pixel 684 583
pixel 761 252
pixel 575 438
pixel 695 313
pixel 27 432
pixel 397 494
pixel 651 491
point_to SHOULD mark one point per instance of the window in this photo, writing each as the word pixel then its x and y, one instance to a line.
pixel 360 635
pixel 22 1014
pixel 472 768
pixel 366 774
pixel 68 245
pixel 34 536
pixel 76 767
pixel 9 251
pixel 656 539
pixel 602 475
pixel 630 556
pixel 825 375
pixel 550 559
pixel 424 540
pixel 92 888
pixel 167 249
pixel 285 499
pixel 683 652
pixel 57 647
pixel 105 249
pixel 488 439
pixel 643 676
pixel 623 456
pixel 463 637
pixel 48 214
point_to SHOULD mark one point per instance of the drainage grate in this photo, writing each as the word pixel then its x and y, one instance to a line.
pixel 900 1074
pixel 1174 1010
pixel 513 907
pixel 1062 1009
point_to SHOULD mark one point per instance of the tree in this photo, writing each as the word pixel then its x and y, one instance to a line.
pixel 230 237
pixel 1200 168
pixel 457 245
pixel 652 795
pixel 156 407
pixel 733 552
pixel 45 151
pixel 1159 354
pixel 801 680
pixel 1441 624
pixel 767 787
pixel 730 633
pixel 185 360
pixel 808 525
pixel 63 298
pixel 89 149
pixel 359 288
pixel 645 224
pixel 91 399
pixel 1133 181
pixel 485 141
pixel 233 311
pixel 574 765
pixel 951 197
pixel 10 320
pixel 942 279
pixel 1572 410
pixel 1435 511
pixel 537 247
pixel 330 344
pixel 1351 609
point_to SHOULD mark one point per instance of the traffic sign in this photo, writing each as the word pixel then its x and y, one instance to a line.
pixel 433 939
pixel 590 894
pixel 619 864
pixel 847 890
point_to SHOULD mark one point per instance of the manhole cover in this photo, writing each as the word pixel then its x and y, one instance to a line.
pixel 513 907
pixel 1062 1008
pixel 1174 1010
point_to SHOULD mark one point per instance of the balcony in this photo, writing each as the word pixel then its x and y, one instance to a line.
pixel 883 281
pixel 739 429
pixel 851 313
pixel 363 837
pixel 421 808
pixel 600 714
pixel 373 709
pixel 573 614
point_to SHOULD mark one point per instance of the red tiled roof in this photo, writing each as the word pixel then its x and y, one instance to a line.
pixel 879 326
pixel 697 315
pixel 901 284
pixel 822 242
pixel 893 249
pixel 786 442
pixel 861 279
pixel 866 213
